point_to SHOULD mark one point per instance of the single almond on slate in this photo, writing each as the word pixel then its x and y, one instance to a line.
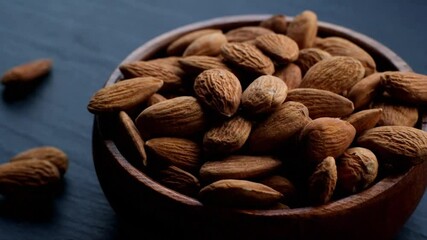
pixel 49 153
pixel 321 103
pixel 303 29
pixel 335 74
pixel 282 185
pixel 170 75
pixel 395 113
pixel 278 127
pixel 177 117
pixel 239 193
pixel 276 23
pixel 247 57
pixel 124 95
pixel 27 72
pixel 178 46
pixel 307 57
pixel 24 177
pixel 357 168
pixel 323 181
pixel 400 145
pixel 179 180
pixel 227 137
pixel 323 137
pixel 246 33
pixel 207 45
pixel 364 119
pixel 239 167
pixel 155 98
pixel 290 74
pixel 406 86
pixel 363 92
pixel 198 64
pixel 265 94
pixel 180 152
pixel 133 138
pixel 278 47
pixel 220 90
pixel 338 46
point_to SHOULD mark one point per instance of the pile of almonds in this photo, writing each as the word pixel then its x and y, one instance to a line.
pixel 266 116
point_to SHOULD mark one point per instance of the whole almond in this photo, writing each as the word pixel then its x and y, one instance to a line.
pixel 278 47
pixel 27 72
pixel 208 45
pixel 396 113
pixel 324 137
pixel 290 74
pixel 335 74
pixel 323 181
pixel 239 193
pixel 155 98
pixel 177 117
pixel 178 46
pixel 49 153
pixel 247 57
pixel 227 137
pixel 239 167
pixel 124 95
pixel 365 119
pixel 303 29
pixel 406 86
pixel 397 145
pixel 198 64
pixel 363 92
pixel 179 180
pixel 246 33
pixel 338 46
pixel 321 103
pixel 220 90
pixel 265 94
pixel 169 61
pixel 307 57
pixel 27 177
pixel 282 185
pixel 278 127
pixel 276 23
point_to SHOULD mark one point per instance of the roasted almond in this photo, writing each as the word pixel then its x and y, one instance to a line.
pixel 363 92
pixel 27 72
pixel 179 180
pixel 303 29
pixel 278 47
pixel 198 64
pixel 323 181
pixel 178 46
pixel 246 33
pixel 276 23
pixel 365 119
pixel 406 86
pixel 290 74
pixel 307 57
pixel 282 185
pixel 207 45
pixel 396 113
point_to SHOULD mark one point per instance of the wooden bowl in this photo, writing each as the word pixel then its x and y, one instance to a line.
pixel 143 204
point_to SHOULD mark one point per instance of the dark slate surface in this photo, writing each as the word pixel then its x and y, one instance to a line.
pixel 87 39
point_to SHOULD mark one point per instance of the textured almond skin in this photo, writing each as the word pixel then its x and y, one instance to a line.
pixel 227 137
pixel 239 167
pixel 278 127
pixel 365 119
pixel 180 152
pixel 265 94
pixel 198 64
pixel 207 45
pixel 247 57
pixel 396 114
pixel 278 47
pixel 307 57
pixel 398 145
pixel 276 23
pixel 321 103
pixel 338 46
pixel 155 98
pixel 176 117
pixel 246 33
pixel 179 180
pixel 178 46
pixel 220 90
pixel 124 95
pixel 303 29
pixel 357 168
pixel 322 183
pixel 27 72
pixel 406 86
pixel 325 137
pixel 134 138
pixel 290 74
pixel 170 75
pixel 49 153
pixel 239 193
pixel 363 92
pixel 27 176
pixel 335 74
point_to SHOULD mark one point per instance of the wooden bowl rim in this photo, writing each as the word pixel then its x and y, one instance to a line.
pixel 343 204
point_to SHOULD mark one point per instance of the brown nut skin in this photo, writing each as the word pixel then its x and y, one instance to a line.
pixel 303 29
pixel 323 181
pixel 27 72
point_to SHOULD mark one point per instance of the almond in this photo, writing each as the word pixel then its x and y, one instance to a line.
pixel 406 86
pixel 282 185
pixel 246 33
pixel 396 113
pixel 276 23
pixel 278 47
pixel 198 64
pixel 178 46
pixel 363 92
pixel 323 181
pixel 179 180
pixel 303 29
pixel 27 72
pixel 168 61
pixel 290 74
pixel 307 57
pixel 208 45
pixel 155 98
pixel 365 119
